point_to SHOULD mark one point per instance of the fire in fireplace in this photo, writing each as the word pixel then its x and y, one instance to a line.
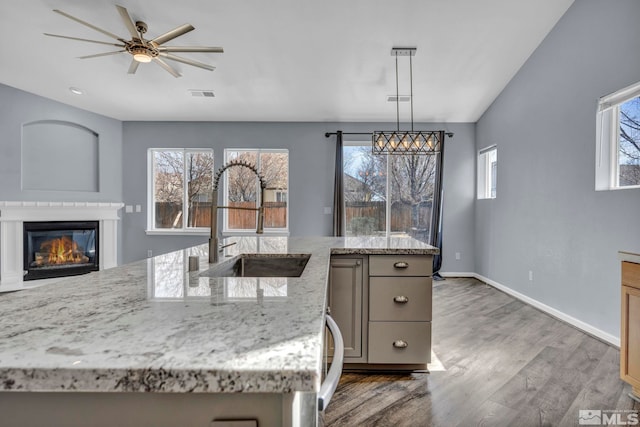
pixel 56 248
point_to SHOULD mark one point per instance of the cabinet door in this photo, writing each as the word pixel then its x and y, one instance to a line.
pixel 630 337
pixel 345 302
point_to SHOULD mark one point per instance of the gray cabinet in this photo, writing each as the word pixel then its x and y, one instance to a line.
pixel 382 304
pixel 400 309
pixel 346 302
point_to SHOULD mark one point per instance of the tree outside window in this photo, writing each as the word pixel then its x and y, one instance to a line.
pixel 386 194
pixel 171 169
pixel 242 189
pixel 629 143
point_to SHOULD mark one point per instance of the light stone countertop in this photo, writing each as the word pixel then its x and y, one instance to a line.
pixel 153 326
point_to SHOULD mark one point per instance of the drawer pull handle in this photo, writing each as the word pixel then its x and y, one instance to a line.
pixel 400 299
pixel 400 344
pixel 401 264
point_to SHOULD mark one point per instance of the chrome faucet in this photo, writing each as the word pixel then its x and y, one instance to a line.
pixel 214 246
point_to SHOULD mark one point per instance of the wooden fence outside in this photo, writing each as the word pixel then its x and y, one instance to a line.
pixel 402 216
pixel 169 215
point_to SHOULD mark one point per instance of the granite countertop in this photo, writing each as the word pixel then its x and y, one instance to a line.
pixel 153 326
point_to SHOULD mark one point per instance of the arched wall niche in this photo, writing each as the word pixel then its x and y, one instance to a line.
pixel 59 156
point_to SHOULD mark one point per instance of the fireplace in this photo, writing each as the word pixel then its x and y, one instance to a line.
pixel 60 248
pixel 13 215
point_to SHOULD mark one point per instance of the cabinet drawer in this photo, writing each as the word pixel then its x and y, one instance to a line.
pixel 400 265
pixel 631 274
pixel 400 342
pixel 400 299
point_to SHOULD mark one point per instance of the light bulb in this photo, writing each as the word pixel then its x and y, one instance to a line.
pixel 431 142
pixel 393 141
pixel 405 141
pixel 380 141
pixel 416 142
pixel 142 57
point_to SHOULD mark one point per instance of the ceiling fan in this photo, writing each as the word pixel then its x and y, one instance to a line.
pixel 141 49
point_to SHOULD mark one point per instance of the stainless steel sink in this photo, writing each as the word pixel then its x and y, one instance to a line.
pixel 261 265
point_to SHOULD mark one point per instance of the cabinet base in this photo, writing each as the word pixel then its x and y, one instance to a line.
pixel 389 368
pixel 635 394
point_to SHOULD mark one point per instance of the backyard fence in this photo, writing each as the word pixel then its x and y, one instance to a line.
pixel 169 215
pixel 369 217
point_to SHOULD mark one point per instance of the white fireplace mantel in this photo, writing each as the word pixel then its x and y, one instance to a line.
pixel 13 214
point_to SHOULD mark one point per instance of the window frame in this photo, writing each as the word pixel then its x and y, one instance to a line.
pixel 388 187
pixel 151 206
pixel 226 231
pixel 486 182
pixel 608 138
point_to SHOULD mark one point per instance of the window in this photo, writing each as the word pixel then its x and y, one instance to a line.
pixel 487 172
pixel 388 195
pixel 181 182
pixel 618 140
pixel 242 189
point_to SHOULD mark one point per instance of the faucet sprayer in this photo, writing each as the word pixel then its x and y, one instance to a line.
pixel 213 239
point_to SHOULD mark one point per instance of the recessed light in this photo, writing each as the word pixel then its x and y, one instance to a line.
pixel 76 91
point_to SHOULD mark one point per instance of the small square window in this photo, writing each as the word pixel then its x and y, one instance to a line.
pixel 487 172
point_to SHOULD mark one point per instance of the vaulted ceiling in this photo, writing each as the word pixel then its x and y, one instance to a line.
pixel 283 60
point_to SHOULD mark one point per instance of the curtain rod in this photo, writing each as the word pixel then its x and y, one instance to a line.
pixel 328 134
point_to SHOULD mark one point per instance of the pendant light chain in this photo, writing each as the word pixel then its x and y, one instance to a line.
pixel 411 80
pixel 397 97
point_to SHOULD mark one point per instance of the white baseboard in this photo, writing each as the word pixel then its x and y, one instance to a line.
pixel 591 330
pixel 465 274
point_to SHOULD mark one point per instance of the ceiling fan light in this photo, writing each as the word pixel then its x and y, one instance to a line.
pixel 142 57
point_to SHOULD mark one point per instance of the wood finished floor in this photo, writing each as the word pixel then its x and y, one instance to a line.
pixel 505 364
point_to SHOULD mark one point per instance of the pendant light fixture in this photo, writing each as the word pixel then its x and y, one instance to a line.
pixel 406 142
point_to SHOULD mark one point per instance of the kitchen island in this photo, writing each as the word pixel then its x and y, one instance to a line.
pixel 152 343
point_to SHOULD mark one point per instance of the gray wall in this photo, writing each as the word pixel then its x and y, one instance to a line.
pixel 311 164
pixel 17 108
pixel 547 217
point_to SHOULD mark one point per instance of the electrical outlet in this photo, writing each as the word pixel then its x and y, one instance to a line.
pixel 530 276
pixel 328 210
pixel 128 209
pixel 458 256
pixel 149 253
pixel 138 208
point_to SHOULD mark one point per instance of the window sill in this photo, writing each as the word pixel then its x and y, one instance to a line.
pixel 179 232
pixel 626 187
pixel 229 233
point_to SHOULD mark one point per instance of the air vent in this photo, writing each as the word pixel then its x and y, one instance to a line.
pixel 400 98
pixel 199 92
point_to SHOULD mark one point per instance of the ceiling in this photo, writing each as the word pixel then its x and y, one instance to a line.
pixel 283 60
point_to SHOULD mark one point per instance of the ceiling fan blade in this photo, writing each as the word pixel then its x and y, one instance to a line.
pixel 83 40
pixel 176 32
pixel 93 27
pixel 128 22
pixel 187 61
pixel 133 67
pixel 167 67
pixel 211 49
pixel 101 54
